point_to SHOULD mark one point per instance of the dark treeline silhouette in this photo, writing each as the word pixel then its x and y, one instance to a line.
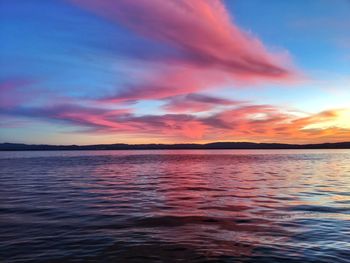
pixel 214 145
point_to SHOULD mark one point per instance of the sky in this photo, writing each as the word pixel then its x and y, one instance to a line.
pixel 174 71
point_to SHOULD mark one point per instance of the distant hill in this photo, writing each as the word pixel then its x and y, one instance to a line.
pixel 214 145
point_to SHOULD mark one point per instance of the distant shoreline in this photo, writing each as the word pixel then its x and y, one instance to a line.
pixel 190 146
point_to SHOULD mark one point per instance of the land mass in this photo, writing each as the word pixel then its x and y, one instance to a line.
pixel 214 145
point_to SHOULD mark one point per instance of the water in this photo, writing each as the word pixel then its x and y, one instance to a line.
pixel 175 206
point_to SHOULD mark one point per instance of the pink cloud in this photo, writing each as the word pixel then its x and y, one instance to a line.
pixel 212 50
pixel 170 81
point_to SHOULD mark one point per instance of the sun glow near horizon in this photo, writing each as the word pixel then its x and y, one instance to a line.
pixel 340 119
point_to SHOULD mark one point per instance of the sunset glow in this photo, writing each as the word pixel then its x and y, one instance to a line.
pixel 155 71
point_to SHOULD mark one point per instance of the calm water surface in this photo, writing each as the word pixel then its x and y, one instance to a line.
pixel 175 206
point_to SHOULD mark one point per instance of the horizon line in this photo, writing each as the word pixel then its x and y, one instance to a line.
pixel 180 143
pixel 178 146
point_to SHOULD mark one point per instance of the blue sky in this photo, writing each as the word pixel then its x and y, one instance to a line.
pixel 82 61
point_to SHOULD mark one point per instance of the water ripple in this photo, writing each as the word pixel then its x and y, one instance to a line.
pixel 175 206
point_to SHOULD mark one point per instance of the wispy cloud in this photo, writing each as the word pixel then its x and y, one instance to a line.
pixel 245 122
pixel 197 103
pixel 210 50
pixel 15 91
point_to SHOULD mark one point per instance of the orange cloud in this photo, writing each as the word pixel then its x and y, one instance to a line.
pixel 268 123
pixel 261 123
